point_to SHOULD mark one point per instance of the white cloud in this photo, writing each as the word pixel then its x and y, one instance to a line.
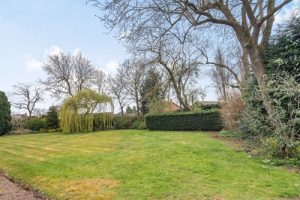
pixel 110 67
pixel 52 50
pixel 32 64
pixel 76 51
pixel 113 64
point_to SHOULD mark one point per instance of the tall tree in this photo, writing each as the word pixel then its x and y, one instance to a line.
pixel 5 117
pixel 283 62
pixel 151 90
pixel 116 87
pixel 179 61
pixel 100 81
pixel 283 53
pixel 133 72
pixel 221 77
pixel 251 23
pixel 67 74
pixel 52 120
pixel 27 96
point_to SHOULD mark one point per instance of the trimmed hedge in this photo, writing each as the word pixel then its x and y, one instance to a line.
pixel 186 121
pixel 209 107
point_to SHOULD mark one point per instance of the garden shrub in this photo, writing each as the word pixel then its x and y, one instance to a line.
pixel 35 124
pixel 20 131
pixel 225 133
pixel 19 123
pixel 231 111
pixel 196 107
pixel 142 125
pixel 269 146
pixel 123 122
pixel 205 120
pixel 138 123
pixel 210 107
pixel 56 130
pixel 278 134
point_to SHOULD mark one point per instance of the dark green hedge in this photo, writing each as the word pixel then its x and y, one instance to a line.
pixel 35 124
pixel 187 121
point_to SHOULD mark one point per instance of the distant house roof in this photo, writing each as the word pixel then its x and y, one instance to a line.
pixel 19 116
pixel 208 102
pixel 170 106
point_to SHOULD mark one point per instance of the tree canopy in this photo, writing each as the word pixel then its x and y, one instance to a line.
pixel 5 118
pixel 151 90
pixel 52 118
pixel 283 53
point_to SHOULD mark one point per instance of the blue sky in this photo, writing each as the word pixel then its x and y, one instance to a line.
pixel 29 29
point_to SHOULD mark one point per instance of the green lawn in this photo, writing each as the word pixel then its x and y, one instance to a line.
pixel 141 165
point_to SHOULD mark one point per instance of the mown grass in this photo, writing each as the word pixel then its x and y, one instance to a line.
pixel 141 165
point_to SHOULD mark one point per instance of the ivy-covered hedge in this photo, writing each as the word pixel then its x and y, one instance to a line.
pixel 205 121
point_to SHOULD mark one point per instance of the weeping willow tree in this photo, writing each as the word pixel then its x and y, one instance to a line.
pixel 86 110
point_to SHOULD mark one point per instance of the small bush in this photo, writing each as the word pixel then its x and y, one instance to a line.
pixel 200 107
pixel 231 112
pixel 136 123
pixel 44 130
pixel 269 146
pixel 20 131
pixel 58 130
pixel 227 133
pixel 52 131
pixel 139 123
pixel 205 120
pixel 142 125
pixel 35 124
pixel 210 107
pixel 123 122
pixel 19 123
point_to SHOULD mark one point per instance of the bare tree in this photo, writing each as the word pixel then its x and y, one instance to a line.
pixel 68 74
pixel 84 74
pixel 133 72
pixel 116 87
pixel 222 77
pixel 27 96
pixel 194 93
pixel 180 61
pixel 250 21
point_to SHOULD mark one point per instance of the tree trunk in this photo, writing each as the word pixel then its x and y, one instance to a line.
pixel 122 110
pixel 178 92
pixel 137 107
pixel 180 99
pixel 176 87
pixel 258 67
pixel 225 98
pixel 246 66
